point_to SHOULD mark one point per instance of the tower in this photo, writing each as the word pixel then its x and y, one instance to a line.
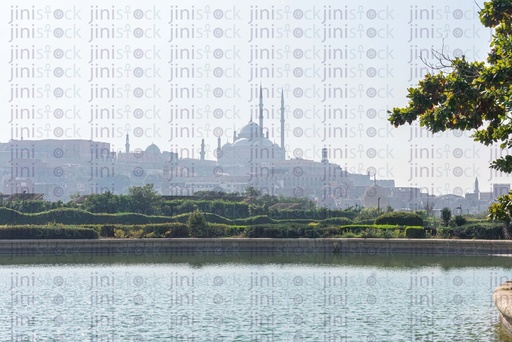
pixel 477 190
pixel 219 149
pixel 324 156
pixel 127 144
pixel 165 181
pixel 282 119
pixel 202 149
pixel 261 113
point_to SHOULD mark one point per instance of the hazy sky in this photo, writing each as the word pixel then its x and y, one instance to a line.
pixel 174 74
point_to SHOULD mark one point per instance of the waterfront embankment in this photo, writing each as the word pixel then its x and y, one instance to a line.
pixel 263 247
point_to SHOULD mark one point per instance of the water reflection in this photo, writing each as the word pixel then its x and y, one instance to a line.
pixel 322 298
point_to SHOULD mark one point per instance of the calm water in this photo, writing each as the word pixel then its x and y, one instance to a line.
pixel 258 299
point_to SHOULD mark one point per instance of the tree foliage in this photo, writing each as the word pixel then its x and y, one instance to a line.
pixel 446 215
pixel 470 95
pixel 145 199
pixel 197 225
pixel 467 95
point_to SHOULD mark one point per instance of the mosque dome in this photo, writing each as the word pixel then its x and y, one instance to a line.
pixel 264 143
pixel 249 131
pixel 375 197
pixel 152 150
pixel 242 143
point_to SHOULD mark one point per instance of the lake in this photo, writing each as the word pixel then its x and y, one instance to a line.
pixel 206 298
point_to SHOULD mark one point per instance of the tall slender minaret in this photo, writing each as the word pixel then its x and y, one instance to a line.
pixel 219 149
pixel 260 134
pixel 127 144
pixel 282 119
pixel 202 149
pixel 477 190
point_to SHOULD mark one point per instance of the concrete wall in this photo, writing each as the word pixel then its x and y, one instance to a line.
pixel 263 247
pixel 503 301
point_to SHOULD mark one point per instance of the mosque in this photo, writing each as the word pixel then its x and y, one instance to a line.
pixel 252 159
pixel 250 145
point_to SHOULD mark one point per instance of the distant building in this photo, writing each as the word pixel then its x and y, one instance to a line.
pixel 500 189
pixel 61 168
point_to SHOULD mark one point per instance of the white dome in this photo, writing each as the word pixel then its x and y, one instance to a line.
pixel 249 131
pixel 152 149
pixel 264 143
pixel 242 142
pixel 375 197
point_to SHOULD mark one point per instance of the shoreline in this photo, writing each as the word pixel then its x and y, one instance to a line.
pixel 502 298
pixel 256 246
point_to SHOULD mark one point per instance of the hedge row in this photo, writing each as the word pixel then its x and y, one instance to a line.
pixel 72 216
pixel 162 230
pixel 283 231
pixel 165 230
pixel 336 221
pixel 315 215
pixel 232 210
pixel 47 232
pixel 480 230
pixel 304 231
pixel 415 232
pixel 400 218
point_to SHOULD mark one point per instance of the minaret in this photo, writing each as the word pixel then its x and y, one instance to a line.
pixel 202 149
pixel 261 113
pixel 127 145
pixel 219 149
pixel 324 156
pixel 282 119
pixel 165 181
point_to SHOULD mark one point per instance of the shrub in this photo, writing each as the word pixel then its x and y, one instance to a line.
pixel 107 231
pixel 178 230
pixel 460 220
pixel 119 233
pixel 348 235
pixel 415 232
pixel 400 218
pixel 386 233
pixel 446 214
pixel 367 214
pixel 9 216
pixel 359 229
pixel 283 231
pixel 260 219
pixel 369 222
pixel 214 218
pixel 310 214
pixel 336 221
pixel 47 232
pixel 369 233
pixel 197 225
pixel 481 230
pixel 444 232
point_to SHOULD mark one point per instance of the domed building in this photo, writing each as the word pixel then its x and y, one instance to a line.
pixel 152 150
pixel 375 197
pixel 250 145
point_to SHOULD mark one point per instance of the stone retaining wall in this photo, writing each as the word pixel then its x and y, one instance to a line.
pixel 264 247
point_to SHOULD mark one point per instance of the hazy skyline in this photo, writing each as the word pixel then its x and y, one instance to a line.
pixel 174 74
